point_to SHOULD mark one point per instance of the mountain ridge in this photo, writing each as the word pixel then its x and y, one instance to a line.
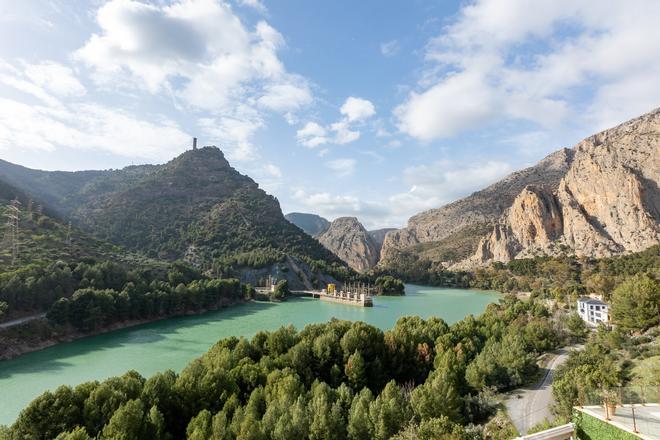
pixel 195 207
pixel 608 202
pixel 589 199
pixel 312 224
pixel 476 211
pixel 350 241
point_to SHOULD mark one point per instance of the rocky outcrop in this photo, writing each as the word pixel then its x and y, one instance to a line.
pixel 312 224
pixel 474 212
pixel 533 220
pixel 350 241
pixel 607 203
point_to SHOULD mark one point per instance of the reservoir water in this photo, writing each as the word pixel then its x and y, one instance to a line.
pixel 172 343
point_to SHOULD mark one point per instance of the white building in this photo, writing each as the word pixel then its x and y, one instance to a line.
pixel 593 311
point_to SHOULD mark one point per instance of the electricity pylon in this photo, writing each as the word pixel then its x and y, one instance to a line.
pixel 12 232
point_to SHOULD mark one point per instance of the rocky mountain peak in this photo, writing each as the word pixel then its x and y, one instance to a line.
pixel 456 228
pixel 350 241
pixel 202 159
pixel 606 203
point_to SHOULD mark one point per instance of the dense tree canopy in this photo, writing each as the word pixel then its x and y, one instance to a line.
pixel 335 380
pixel 90 295
pixel 636 303
pixel 563 278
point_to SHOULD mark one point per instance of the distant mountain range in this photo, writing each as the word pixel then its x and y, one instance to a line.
pixel 597 199
pixel 346 237
pixel 195 207
pixel 312 224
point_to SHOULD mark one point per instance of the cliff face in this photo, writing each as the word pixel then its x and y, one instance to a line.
pixel 607 203
pixel 350 241
pixel 467 217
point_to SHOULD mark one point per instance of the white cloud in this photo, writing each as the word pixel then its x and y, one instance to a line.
pixel 343 133
pixel 285 97
pixel 431 186
pixel 201 53
pixel 88 126
pixel 441 182
pixel 254 4
pixel 80 124
pixel 354 110
pixel 233 134
pixel 357 109
pixel 55 78
pixel 273 170
pixel 312 135
pixel 390 48
pixel 502 60
pixel 447 108
pixel 16 79
pixel 342 167
pixel 371 214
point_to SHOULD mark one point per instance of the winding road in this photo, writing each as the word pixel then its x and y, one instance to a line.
pixel 529 406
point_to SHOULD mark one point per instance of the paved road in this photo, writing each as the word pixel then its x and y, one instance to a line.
pixel 21 320
pixel 529 406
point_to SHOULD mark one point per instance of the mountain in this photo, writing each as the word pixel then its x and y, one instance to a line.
pixel 597 199
pixel 312 224
pixel 452 232
pixel 607 203
pixel 42 237
pixel 348 239
pixel 195 207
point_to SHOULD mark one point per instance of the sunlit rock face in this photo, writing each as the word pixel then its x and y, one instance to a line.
pixel 350 241
pixel 465 221
pixel 607 203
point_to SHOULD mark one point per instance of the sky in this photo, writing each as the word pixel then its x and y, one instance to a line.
pixel 374 109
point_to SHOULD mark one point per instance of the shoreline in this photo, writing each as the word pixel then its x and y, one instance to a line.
pixel 17 349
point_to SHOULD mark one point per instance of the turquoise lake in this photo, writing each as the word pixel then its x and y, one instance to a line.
pixel 172 343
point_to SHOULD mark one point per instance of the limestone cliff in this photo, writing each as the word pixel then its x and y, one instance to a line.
pixel 350 241
pixel 460 224
pixel 607 203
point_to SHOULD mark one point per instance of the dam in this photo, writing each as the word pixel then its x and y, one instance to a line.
pixel 354 295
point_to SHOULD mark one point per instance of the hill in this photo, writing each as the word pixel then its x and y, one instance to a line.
pixel 44 238
pixel 312 224
pixel 195 207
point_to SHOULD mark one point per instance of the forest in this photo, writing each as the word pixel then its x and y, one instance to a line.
pixel 562 278
pixel 113 291
pixel 335 380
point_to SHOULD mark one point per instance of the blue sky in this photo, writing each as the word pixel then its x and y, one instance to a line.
pixel 378 109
